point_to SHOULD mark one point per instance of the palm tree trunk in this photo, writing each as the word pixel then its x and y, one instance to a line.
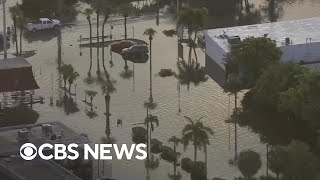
pixel 70 88
pixel 148 154
pixel 90 67
pixel 125 27
pixel 194 48
pixel 90 27
pixel 21 32
pixel 103 26
pixel 108 130
pixel 235 128
pixel 195 54
pixel 98 40
pixel 151 98
pixel 15 35
pixel 206 158
pixel 91 105
pixel 195 152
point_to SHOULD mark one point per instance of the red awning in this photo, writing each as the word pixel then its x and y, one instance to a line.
pixel 16 75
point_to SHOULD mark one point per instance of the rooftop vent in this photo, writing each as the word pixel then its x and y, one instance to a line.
pixel 234 40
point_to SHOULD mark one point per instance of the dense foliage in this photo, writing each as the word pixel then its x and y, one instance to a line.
pixel 249 163
pixel 250 57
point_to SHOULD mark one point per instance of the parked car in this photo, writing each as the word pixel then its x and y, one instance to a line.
pixel 117 47
pixel 135 49
pixel 42 24
pixel 137 58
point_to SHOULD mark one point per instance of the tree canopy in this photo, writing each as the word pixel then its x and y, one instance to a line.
pixel 249 163
pixel 251 57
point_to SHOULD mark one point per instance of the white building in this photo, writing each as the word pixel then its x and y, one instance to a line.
pixel 299 41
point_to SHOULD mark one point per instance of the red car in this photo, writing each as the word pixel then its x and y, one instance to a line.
pixel 117 47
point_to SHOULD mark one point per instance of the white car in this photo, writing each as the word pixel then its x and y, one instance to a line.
pixel 42 24
pixel 136 49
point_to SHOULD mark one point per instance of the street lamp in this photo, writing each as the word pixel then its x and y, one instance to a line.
pixel 4 29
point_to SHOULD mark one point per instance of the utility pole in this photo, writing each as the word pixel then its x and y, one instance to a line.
pixel 4 30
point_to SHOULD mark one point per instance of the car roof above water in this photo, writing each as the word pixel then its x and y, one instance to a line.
pixel 44 19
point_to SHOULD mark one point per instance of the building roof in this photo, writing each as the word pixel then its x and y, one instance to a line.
pixel 15 168
pixel 298 31
pixel 16 75
pixel 10 143
pixel 14 63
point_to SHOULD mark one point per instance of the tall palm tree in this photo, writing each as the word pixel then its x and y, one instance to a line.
pixel 194 19
pixel 234 86
pixel 125 10
pixel 150 33
pixel 66 70
pixel 149 122
pixel 106 15
pixel 197 133
pixel 176 141
pixel 91 94
pixel 73 76
pixel 15 13
pixel 88 12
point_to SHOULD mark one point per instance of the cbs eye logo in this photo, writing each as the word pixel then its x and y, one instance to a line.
pixel 28 151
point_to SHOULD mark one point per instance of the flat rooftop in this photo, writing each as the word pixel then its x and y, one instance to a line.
pixel 298 31
pixel 14 63
pixel 10 144
pixel 15 168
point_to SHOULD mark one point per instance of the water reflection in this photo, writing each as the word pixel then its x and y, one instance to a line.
pixel 46 35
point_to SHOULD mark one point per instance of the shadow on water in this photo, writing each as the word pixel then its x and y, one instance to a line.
pixel 46 35
pixel 126 73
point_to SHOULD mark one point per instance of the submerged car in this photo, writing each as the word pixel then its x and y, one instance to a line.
pixel 137 58
pixel 42 24
pixel 136 49
pixel 117 47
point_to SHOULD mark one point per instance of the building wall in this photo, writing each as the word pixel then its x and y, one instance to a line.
pixel 297 53
pixel 309 52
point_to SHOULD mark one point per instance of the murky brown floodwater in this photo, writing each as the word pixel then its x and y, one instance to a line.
pixel 207 100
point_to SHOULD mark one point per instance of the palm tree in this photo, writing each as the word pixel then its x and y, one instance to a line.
pixel 234 86
pixel 176 141
pixel 91 94
pixel 197 133
pixel 73 76
pixel 125 9
pixel 150 33
pixel 149 122
pixel 66 71
pixel 194 19
pixel 15 13
pixel 88 12
pixel 106 15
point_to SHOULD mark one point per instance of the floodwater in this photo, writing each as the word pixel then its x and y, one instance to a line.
pixel 206 100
